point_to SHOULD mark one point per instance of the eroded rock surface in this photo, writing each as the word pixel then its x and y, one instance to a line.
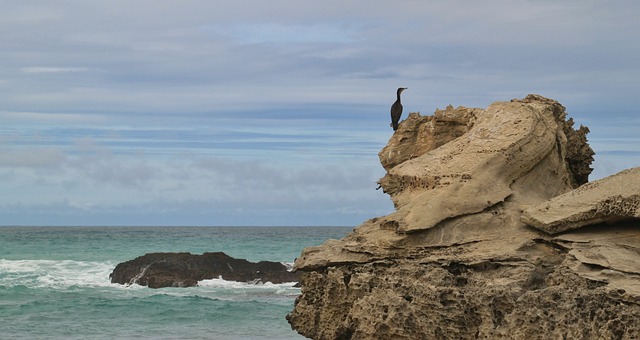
pixel 504 151
pixel 455 261
pixel 158 270
pixel 609 200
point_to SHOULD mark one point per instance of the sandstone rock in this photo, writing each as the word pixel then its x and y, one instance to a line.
pixel 420 134
pixel 505 147
pixel 404 299
pixel 158 270
pixel 610 200
pixel 455 261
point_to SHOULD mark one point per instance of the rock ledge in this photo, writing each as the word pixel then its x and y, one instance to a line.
pixel 610 200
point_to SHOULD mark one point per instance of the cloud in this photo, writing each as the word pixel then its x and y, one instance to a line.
pixel 42 69
pixel 249 33
pixel 26 117
pixel 93 179
pixel 259 112
pixel 203 192
pixel 34 158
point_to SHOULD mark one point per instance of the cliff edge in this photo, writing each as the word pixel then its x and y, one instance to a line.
pixel 458 259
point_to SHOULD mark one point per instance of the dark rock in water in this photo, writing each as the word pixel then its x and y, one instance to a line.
pixel 158 270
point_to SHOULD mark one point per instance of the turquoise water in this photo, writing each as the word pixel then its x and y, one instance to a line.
pixel 54 283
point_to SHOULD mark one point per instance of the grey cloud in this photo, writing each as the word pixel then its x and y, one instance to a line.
pixel 282 104
pixel 45 69
pixel 32 158
pixel 276 177
pixel 144 55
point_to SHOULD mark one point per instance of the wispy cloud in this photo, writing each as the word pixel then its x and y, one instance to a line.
pixel 252 33
pixel 44 69
pixel 34 158
pixel 30 117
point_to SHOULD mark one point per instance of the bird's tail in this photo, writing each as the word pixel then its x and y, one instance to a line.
pixel 395 126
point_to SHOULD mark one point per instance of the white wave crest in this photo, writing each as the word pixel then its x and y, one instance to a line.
pixel 280 289
pixel 222 283
pixel 54 273
pixel 289 265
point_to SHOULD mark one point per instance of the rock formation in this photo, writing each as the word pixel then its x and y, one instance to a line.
pixel 158 270
pixel 455 260
pixel 609 200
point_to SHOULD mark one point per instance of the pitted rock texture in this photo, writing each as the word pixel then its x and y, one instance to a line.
pixel 455 261
pixel 420 134
pixel 610 200
pixel 400 299
pixel 463 161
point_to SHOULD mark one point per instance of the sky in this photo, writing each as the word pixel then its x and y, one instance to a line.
pixel 155 112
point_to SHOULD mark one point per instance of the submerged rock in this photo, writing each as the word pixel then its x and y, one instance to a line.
pixel 455 260
pixel 158 270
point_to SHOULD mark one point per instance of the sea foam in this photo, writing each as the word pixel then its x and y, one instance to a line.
pixel 221 283
pixel 54 273
pixel 261 288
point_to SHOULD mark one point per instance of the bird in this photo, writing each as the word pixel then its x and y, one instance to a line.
pixel 396 110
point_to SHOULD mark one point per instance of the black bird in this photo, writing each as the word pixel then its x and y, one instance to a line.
pixel 396 110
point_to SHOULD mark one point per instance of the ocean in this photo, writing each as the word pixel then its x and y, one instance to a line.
pixel 54 283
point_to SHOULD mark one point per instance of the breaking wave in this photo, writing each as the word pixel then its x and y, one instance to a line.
pixel 54 273
pixel 70 274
